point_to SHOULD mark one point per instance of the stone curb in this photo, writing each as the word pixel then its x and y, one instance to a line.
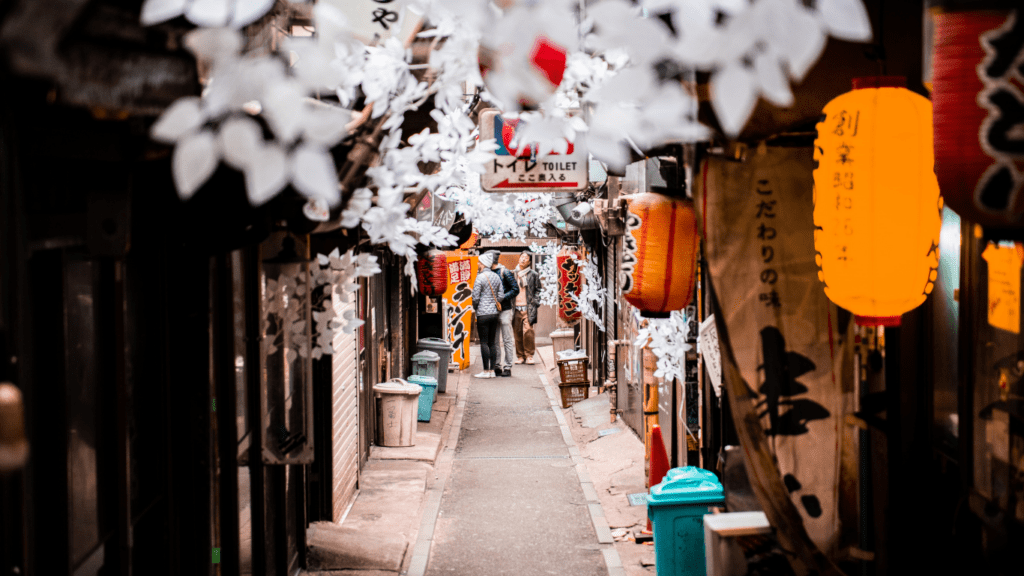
pixel 597 516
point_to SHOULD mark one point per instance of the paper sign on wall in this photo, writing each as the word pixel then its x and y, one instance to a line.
pixel 708 344
pixel 1004 265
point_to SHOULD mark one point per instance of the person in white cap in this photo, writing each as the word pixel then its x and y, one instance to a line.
pixel 487 296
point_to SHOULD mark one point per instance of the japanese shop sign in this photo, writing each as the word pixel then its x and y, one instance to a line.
pixel 758 220
pixel 709 351
pixel 368 19
pixel 459 313
pixel 1004 264
pixel 513 169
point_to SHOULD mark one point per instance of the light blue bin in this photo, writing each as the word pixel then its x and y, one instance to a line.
pixel 677 507
pixel 426 395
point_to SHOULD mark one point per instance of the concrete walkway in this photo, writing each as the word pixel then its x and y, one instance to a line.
pixel 514 504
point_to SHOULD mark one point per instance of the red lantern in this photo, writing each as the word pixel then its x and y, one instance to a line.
pixel 432 273
pixel 660 254
pixel 570 281
pixel 976 103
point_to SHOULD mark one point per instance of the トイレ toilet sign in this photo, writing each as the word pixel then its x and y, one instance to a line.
pixel 517 169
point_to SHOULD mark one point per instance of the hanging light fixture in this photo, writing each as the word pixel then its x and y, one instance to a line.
pixel 286 370
pixel 570 282
pixel 979 153
pixel 877 209
pixel 660 254
pixel 432 273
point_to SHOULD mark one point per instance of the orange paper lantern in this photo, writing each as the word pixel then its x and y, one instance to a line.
pixel 660 254
pixel 570 282
pixel 877 210
pixel 432 273
pixel 473 239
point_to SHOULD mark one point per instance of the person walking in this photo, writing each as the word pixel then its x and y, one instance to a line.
pixel 487 296
pixel 511 287
pixel 526 304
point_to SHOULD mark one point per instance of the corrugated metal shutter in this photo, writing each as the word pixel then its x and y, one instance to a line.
pixel 345 416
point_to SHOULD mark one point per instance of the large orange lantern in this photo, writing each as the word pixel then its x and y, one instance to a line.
pixel 877 210
pixel 432 273
pixel 660 254
pixel 570 282
pixel 979 153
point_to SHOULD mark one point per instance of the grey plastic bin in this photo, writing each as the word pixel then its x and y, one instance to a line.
pixel 444 350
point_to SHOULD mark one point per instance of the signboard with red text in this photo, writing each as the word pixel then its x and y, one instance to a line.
pixel 517 169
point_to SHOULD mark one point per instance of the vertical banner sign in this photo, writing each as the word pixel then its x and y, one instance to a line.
pixel 758 222
pixel 570 282
pixel 459 312
pixel 1004 264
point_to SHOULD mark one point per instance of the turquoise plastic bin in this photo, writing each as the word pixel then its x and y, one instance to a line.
pixel 677 507
pixel 426 395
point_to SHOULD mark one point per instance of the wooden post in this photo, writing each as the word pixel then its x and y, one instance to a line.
pixel 650 406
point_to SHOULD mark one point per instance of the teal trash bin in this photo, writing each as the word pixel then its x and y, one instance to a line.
pixel 426 363
pixel 429 386
pixel 677 507
pixel 444 350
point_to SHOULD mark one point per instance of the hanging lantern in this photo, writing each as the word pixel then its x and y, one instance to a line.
pixel 877 210
pixel 432 273
pixel 660 254
pixel 977 110
pixel 473 239
pixel 570 282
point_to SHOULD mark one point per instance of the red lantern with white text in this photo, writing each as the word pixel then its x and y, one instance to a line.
pixel 978 106
pixel 660 254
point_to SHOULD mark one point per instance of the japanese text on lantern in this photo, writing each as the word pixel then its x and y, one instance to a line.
pixel 1000 74
pixel 766 232
pixel 846 126
pixel 383 16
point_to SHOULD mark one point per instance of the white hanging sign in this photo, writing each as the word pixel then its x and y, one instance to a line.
pixel 708 345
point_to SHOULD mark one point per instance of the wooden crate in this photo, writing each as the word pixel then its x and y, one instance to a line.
pixel 573 393
pixel 572 371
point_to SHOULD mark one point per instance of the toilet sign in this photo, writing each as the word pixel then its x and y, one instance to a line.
pixel 513 169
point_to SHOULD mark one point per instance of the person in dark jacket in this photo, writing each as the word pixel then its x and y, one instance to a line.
pixel 511 288
pixel 526 304
pixel 487 294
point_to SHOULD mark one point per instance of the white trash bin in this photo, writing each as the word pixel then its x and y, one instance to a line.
pixel 398 407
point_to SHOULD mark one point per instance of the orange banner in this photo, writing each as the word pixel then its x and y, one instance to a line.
pixel 459 317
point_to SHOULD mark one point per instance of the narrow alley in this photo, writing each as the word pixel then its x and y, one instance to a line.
pixel 514 502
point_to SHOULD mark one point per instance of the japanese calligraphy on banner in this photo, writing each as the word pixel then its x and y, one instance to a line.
pixel 1004 264
pixel 368 19
pixel 459 321
pixel 759 232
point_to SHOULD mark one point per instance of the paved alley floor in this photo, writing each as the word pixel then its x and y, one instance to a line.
pixel 513 504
